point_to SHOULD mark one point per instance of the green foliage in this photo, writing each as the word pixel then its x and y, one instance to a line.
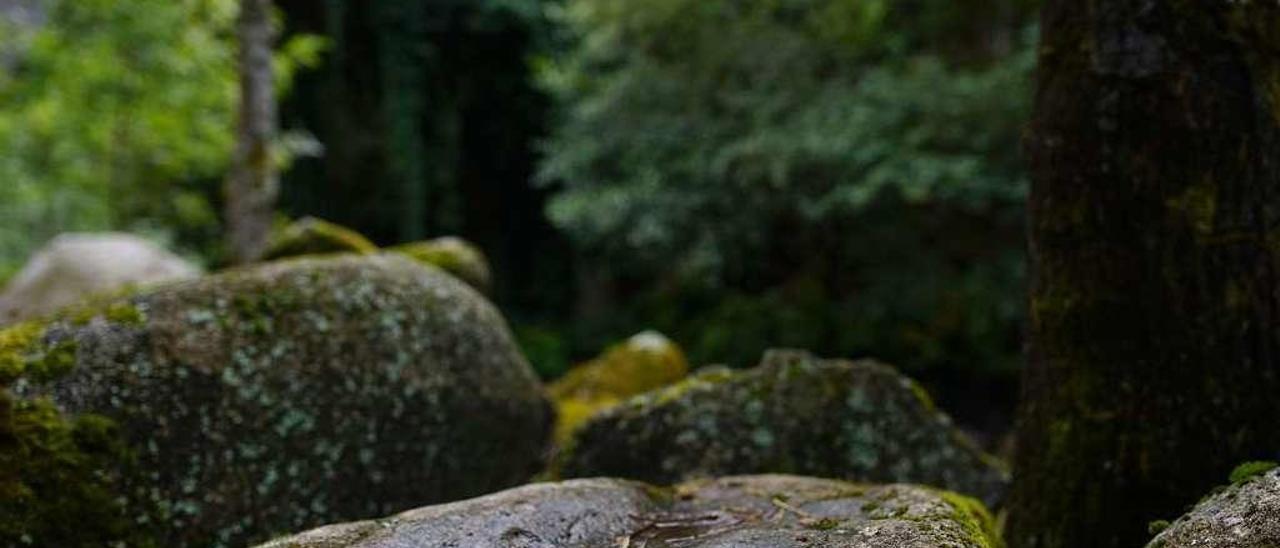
pixel 116 112
pixel 832 174
pixel 120 115
pixel 544 347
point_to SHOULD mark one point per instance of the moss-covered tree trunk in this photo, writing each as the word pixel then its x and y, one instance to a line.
pixel 1154 212
pixel 252 184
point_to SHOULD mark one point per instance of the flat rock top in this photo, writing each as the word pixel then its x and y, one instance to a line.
pixel 744 511
pixel 1243 515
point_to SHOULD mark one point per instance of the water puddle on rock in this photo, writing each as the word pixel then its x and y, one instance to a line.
pixel 679 530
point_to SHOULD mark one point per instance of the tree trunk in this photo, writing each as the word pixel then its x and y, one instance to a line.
pixel 1155 153
pixel 252 185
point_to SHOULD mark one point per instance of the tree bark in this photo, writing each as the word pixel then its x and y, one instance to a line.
pixel 252 185
pixel 1155 154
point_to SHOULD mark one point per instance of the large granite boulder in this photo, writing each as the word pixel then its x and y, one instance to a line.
pixel 74 266
pixel 223 410
pixel 644 362
pixel 795 414
pixel 1245 514
pixel 741 512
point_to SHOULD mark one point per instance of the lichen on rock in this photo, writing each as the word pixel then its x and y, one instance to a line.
pixel 312 236
pixel 795 414
pixel 745 512
pixel 644 362
pixel 279 396
pixel 1244 514
pixel 453 255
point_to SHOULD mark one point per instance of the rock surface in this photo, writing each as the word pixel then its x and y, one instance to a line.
pixel 76 265
pixel 644 362
pixel 312 236
pixel 743 512
pixel 1245 514
pixel 794 414
pixel 455 256
pixel 285 395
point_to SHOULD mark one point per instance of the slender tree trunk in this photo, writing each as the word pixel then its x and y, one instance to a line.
pixel 1154 336
pixel 252 186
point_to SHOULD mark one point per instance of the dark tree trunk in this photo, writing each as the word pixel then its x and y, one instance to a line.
pixel 253 182
pixel 1155 152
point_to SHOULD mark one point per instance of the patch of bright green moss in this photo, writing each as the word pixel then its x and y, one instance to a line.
pixel 1248 470
pixel 645 362
pixel 975 518
pixel 65 481
pixel 22 354
pixel 311 236
pixel 456 256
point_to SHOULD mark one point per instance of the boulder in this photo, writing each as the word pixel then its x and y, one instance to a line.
pixel 794 414
pixel 742 512
pixel 644 362
pixel 1245 514
pixel 262 400
pixel 455 255
pixel 312 236
pixel 74 266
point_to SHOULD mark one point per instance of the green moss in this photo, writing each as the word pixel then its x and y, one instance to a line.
pixel 923 395
pixel 456 256
pixel 645 362
pixel 973 515
pixel 311 236
pixel 22 354
pixel 65 482
pixel 1248 470
pixel 16 345
pixel 699 381
pixel 1157 526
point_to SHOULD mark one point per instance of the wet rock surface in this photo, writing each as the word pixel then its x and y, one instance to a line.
pixel 745 512
pixel 795 414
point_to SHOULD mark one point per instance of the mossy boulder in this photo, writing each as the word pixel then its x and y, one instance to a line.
pixel 262 400
pixel 1245 514
pixel 644 362
pixel 75 266
pixel 455 256
pixel 744 512
pixel 312 236
pixel 795 414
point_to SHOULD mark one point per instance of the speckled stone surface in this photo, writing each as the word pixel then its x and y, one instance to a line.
pixel 295 393
pixel 1243 515
pixel 794 414
pixel 745 512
